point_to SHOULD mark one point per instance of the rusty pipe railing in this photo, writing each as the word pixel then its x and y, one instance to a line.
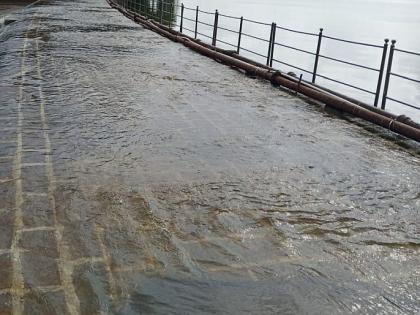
pixel 143 7
pixel 279 79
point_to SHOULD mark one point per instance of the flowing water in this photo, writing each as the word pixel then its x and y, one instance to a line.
pixel 138 177
pixel 9 6
pixel 368 21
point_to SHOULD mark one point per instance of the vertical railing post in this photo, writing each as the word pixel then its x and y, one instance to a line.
pixel 161 13
pixel 181 24
pixel 241 23
pixel 381 72
pixel 388 73
pixel 171 16
pixel 318 50
pixel 215 26
pixel 270 45
pixel 196 23
pixel 273 43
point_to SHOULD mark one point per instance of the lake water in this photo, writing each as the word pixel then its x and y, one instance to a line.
pixel 368 21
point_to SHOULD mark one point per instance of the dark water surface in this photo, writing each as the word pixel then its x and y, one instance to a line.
pixel 137 177
pixel 10 6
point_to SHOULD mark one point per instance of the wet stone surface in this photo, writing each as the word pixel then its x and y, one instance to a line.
pixel 137 177
pixel 6 303
pixel 7 216
pixel 81 239
pixel 50 303
pixel 5 271
pixel 7 150
pixel 39 270
pixel 37 212
pixel 42 243
pixel 90 280
pixel 34 179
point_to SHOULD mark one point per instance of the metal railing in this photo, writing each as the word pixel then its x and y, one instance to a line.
pixel 168 12
pixel 390 74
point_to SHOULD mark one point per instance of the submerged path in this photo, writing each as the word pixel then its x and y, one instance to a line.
pixel 137 177
pixel 10 6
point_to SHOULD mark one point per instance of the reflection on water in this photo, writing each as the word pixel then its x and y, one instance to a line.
pixel 156 181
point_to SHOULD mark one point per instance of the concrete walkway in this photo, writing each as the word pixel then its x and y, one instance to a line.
pixel 137 177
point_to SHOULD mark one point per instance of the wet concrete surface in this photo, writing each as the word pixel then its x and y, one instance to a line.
pixel 137 177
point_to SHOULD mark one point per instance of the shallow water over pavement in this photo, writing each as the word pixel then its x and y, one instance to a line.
pixel 138 177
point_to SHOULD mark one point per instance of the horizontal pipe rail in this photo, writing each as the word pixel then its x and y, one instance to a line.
pixel 256 22
pixel 352 42
pixel 160 14
pixel 402 103
pixel 346 84
pixel 404 77
pixel 408 52
pixel 206 12
pixel 292 66
pixel 253 52
pixel 209 37
pixel 188 19
pixel 228 30
pixel 294 48
pixel 349 63
pixel 226 43
pixel 255 37
pixel 204 23
pixel 295 31
pixel 230 16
